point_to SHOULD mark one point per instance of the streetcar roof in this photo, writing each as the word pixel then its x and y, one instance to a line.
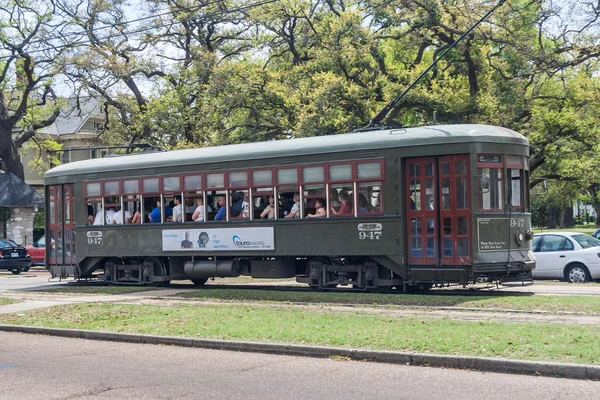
pixel 370 140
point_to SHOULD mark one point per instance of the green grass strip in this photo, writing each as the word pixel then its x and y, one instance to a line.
pixel 523 341
pixel 498 301
pixel 99 289
pixel 4 301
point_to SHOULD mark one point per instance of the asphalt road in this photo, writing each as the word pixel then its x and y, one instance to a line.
pixel 42 367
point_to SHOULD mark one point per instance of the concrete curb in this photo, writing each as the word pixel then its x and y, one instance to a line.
pixel 571 371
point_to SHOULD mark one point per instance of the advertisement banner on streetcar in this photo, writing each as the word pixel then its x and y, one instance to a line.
pixel 230 239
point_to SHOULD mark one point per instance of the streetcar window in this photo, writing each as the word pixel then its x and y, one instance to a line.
pixel 193 198
pixel 515 188
pixel 516 184
pixel 171 184
pixel 369 194
pixel 239 206
pixel 287 176
pixel 312 193
pixel 415 194
pixel 286 200
pixel 92 189
pixel 131 186
pixel 192 182
pixel 313 174
pixel 262 178
pixel 215 180
pixel 194 205
pixel 94 206
pixel 213 198
pixel 264 204
pixel 491 199
pixel 111 188
pixel 132 205
pixel 238 179
pixel 461 193
pixel 150 185
pixel 341 200
pixel 341 172
pixel 370 170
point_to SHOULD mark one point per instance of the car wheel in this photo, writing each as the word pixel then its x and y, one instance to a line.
pixel 16 271
pixel 577 273
pixel 26 269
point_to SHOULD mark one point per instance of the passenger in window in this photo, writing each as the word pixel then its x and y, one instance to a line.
pixel 118 216
pixel 320 209
pixel 108 217
pixel 177 210
pixel 155 214
pixel 220 216
pixel 198 215
pixel 334 204
pixel 240 207
pixel 90 209
pixel 363 205
pixel 269 211
pixel 137 218
pixel 346 205
pixel 191 208
pixel 377 207
pixel 295 211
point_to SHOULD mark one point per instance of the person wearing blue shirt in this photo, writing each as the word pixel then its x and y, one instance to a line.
pixel 155 214
pixel 221 213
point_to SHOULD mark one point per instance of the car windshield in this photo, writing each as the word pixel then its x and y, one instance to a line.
pixel 586 241
pixel 7 243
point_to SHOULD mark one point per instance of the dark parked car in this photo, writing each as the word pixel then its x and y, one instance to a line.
pixel 596 234
pixel 13 257
pixel 37 251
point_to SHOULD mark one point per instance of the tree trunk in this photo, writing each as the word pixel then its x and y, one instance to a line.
pixel 9 154
pixel 561 218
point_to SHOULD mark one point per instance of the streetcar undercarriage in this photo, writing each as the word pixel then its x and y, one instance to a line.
pixel 375 274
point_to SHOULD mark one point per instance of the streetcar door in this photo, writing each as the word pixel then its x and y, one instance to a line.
pixel 60 238
pixel 438 210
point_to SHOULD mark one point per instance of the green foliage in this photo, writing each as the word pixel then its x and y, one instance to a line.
pixel 540 212
pixel 47 153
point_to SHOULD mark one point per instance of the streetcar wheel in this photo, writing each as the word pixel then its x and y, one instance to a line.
pixel 382 273
pixel 199 281
pixel 156 268
pixel 577 273
pixel 314 270
pixel 16 271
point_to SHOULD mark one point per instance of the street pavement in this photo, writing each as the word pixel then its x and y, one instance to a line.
pixel 47 368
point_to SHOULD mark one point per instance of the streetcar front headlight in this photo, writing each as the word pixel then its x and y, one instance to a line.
pixel 519 237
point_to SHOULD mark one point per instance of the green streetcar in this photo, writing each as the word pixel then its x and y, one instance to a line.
pixel 442 204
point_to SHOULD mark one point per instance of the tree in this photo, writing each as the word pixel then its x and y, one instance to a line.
pixel 27 98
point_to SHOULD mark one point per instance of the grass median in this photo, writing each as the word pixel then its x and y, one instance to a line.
pixel 493 301
pixel 100 290
pixel 4 301
pixel 278 324
pixel 498 301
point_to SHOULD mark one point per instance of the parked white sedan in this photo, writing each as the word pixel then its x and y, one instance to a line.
pixel 572 256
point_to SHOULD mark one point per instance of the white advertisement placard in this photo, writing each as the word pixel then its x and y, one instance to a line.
pixel 229 239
